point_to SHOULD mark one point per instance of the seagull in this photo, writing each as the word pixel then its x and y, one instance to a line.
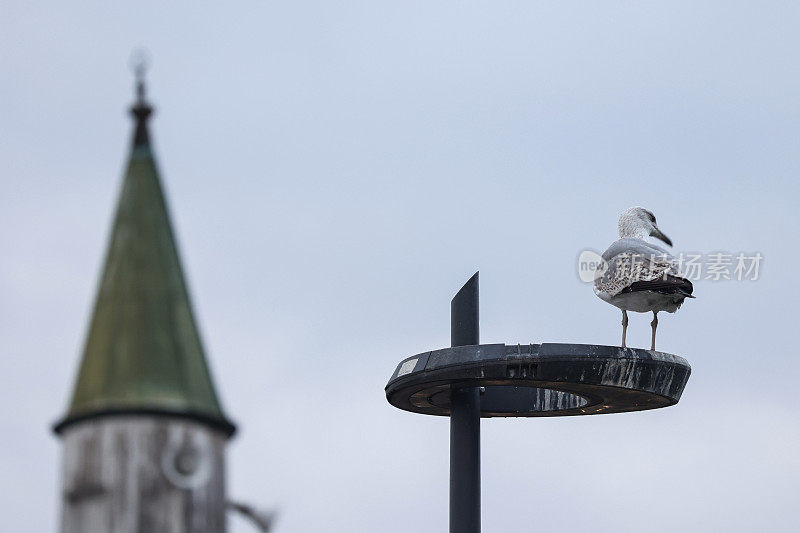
pixel 639 276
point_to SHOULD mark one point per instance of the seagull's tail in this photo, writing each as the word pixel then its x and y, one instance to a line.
pixel 684 292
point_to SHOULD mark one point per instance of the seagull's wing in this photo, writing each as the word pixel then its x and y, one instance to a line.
pixel 665 285
pixel 630 261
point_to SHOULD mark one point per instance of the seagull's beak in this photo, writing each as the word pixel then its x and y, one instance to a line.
pixel 658 235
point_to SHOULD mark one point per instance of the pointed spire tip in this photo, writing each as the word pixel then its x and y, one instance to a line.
pixel 141 109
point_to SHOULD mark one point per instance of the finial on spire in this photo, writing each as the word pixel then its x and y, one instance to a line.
pixel 140 63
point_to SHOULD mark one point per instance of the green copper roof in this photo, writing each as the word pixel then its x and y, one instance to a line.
pixel 143 353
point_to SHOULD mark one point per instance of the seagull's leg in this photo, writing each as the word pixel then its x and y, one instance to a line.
pixel 624 326
pixel 654 325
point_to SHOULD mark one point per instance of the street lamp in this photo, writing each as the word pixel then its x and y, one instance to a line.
pixel 470 381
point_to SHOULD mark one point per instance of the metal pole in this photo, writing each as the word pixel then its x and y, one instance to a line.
pixel 465 420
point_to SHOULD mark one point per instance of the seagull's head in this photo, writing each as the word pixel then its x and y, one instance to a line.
pixel 639 223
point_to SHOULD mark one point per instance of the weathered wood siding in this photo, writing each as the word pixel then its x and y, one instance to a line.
pixel 139 474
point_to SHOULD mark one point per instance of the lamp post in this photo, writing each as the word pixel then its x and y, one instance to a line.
pixel 465 420
pixel 470 381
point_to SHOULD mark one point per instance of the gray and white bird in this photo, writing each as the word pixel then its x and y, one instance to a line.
pixel 639 276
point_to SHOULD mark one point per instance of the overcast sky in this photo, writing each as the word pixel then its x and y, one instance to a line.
pixel 336 170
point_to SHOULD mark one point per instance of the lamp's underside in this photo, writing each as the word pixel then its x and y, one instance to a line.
pixel 540 379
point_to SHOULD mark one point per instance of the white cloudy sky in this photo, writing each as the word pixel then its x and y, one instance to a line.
pixel 336 171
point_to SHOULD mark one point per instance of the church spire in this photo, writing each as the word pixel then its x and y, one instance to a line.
pixel 143 353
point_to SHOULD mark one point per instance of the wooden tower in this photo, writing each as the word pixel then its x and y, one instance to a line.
pixel 144 435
